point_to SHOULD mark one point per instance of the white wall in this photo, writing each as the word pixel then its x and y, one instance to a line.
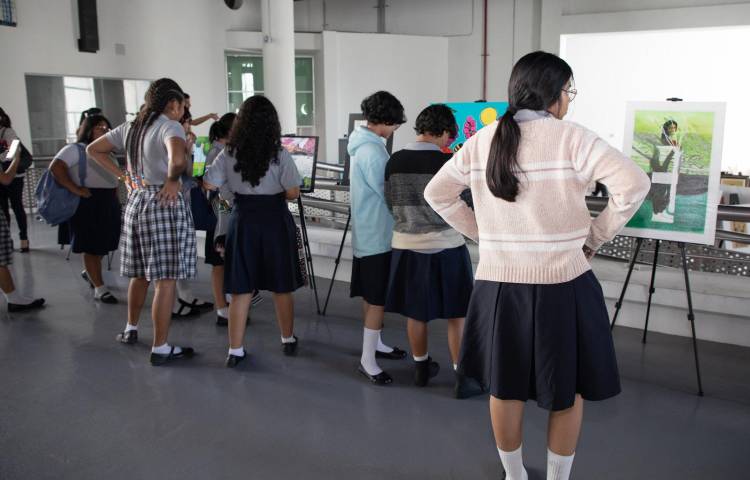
pixel 613 68
pixel 357 64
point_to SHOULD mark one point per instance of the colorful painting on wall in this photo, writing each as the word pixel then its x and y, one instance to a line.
pixel 678 144
pixel 472 116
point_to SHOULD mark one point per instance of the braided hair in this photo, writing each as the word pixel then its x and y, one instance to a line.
pixel 158 96
pixel 255 139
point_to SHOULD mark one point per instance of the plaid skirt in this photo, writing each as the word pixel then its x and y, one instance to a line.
pixel 158 242
pixel 6 243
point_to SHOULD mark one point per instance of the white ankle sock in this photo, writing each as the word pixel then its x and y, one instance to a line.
pixel 513 464
pixel 237 352
pixel 223 312
pixel 288 339
pixel 129 327
pixel 165 349
pixel 422 358
pixel 17 298
pixel 382 347
pixel 455 367
pixel 369 344
pixel 558 466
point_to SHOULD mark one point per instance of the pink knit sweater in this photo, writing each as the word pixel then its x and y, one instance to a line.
pixel 539 237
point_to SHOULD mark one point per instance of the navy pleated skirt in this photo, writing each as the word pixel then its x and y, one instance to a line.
pixel 261 246
pixel 97 223
pixel 540 342
pixel 426 286
pixel 370 277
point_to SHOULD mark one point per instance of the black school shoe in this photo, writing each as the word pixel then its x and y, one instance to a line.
pixel 381 378
pixel 130 337
pixel 396 354
pixel 290 349
pixel 221 321
pixel 202 306
pixel 19 307
pixel 85 277
pixel 234 360
pixel 158 359
pixel 424 371
pixel 466 387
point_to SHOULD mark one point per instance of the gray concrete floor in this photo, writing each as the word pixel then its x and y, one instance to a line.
pixel 75 404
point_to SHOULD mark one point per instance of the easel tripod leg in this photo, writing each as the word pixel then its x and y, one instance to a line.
pixel 691 317
pixel 336 263
pixel 618 305
pixel 651 289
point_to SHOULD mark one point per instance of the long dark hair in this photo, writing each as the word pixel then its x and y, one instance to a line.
pixel 255 139
pixel 4 119
pixel 536 83
pixel 86 130
pixel 221 128
pixel 158 96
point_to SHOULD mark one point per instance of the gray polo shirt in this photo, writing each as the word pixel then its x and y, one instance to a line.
pixel 155 160
pixel 280 177
pixel 96 176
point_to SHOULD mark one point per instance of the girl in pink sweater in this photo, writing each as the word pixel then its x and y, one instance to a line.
pixel 537 326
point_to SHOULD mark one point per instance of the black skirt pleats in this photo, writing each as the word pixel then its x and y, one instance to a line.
pixel 370 277
pixel 97 223
pixel 426 286
pixel 261 246
pixel 540 342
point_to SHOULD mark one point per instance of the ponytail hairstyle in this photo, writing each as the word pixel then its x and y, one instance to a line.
pixel 221 128
pixel 158 96
pixel 536 83
pixel 4 119
pixel 255 139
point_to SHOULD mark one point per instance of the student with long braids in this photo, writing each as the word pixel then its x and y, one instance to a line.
pixel 372 226
pixel 537 327
pixel 158 239
pixel 261 243
pixel 431 275
pixel 96 223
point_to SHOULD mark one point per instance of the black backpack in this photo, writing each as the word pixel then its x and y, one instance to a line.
pixel 26 159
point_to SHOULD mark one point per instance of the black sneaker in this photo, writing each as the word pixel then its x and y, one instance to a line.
pixel 130 337
pixel 424 371
pixel 290 349
pixel 234 360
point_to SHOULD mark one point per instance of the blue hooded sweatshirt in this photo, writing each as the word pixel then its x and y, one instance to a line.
pixel 372 223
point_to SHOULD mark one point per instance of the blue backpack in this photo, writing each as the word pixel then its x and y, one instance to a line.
pixel 55 203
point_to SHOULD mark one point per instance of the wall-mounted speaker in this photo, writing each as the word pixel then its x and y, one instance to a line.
pixel 233 4
pixel 88 26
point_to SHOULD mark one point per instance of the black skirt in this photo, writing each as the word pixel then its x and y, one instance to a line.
pixel 370 278
pixel 540 342
pixel 426 286
pixel 96 225
pixel 212 256
pixel 261 246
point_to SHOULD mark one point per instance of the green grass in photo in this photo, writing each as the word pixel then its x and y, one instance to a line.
pixel 690 215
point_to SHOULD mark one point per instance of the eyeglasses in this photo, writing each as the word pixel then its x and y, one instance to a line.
pixel 101 127
pixel 572 92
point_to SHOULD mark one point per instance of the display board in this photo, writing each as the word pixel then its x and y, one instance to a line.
pixel 678 144
pixel 304 151
pixel 472 116
pixel 200 149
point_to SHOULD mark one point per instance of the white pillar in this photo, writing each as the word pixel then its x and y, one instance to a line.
pixel 278 60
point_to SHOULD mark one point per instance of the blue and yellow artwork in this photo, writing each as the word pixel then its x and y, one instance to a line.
pixel 472 116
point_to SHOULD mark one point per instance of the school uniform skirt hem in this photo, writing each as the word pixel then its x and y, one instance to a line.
pixel 540 342
pixel 370 277
pixel 96 225
pixel 426 286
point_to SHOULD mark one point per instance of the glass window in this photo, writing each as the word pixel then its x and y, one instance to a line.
pixel 245 79
pixel 79 96
pixel 135 92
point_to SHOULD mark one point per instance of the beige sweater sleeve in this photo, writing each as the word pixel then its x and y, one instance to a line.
pixel 628 185
pixel 443 193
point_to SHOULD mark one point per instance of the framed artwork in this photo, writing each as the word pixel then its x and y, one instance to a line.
pixel 472 116
pixel 678 144
pixel 304 151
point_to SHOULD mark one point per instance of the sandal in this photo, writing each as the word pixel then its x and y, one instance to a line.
pixel 186 310
pixel 158 359
pixel 203 306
